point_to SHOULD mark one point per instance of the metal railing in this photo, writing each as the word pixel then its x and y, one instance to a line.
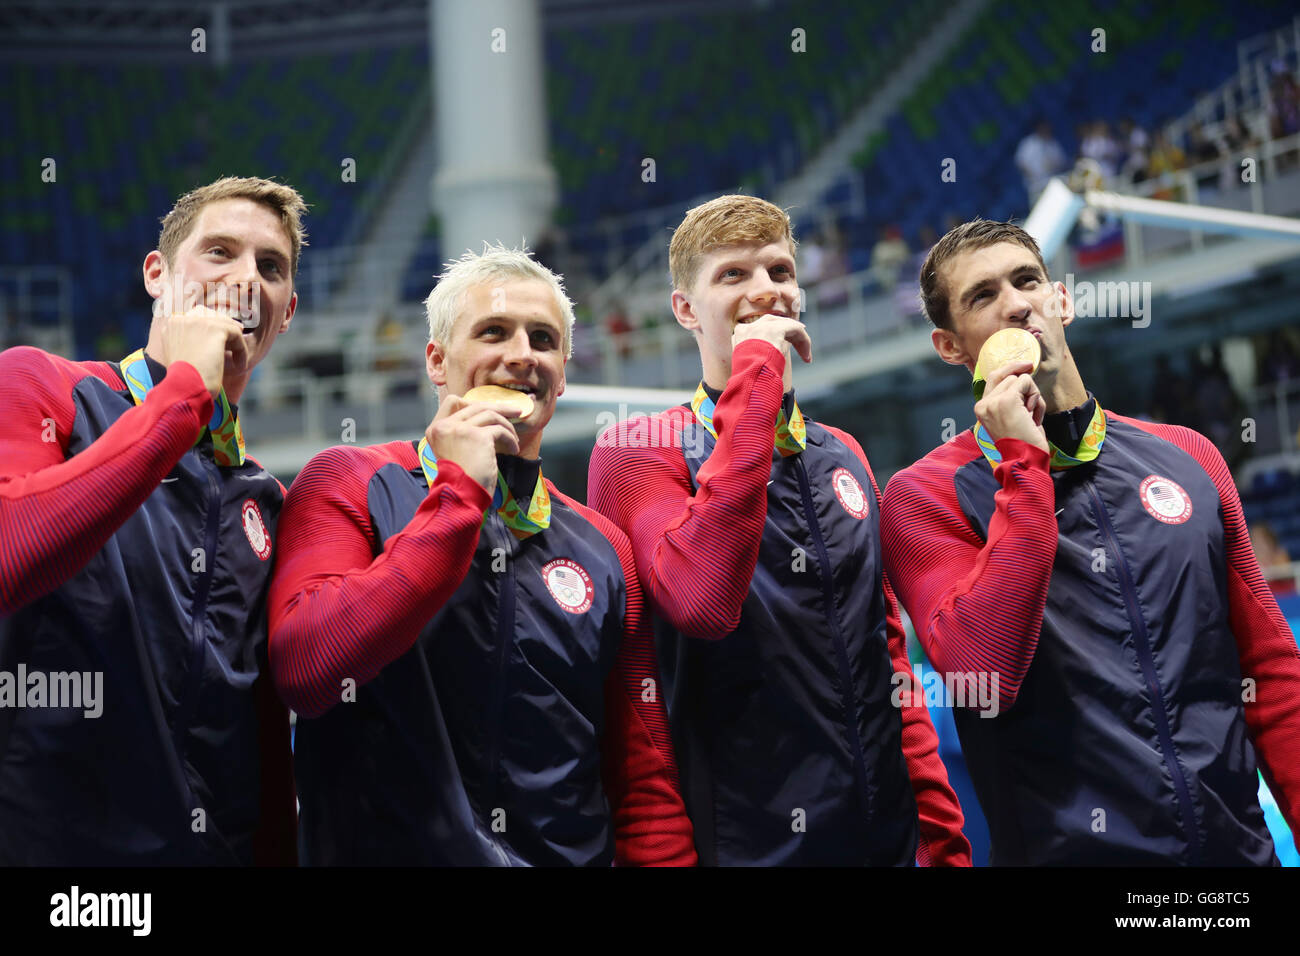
pixel 324 273
pixel 844 312
pixel 1184 182
pixel 1275 409
pixel 37 300
pixel 1247 90
pixel 630 256
pixel 1264 192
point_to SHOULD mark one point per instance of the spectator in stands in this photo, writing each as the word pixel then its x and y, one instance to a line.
pixel 1273 559
pixel 1284 102
pixel 1039 157
pixel 618 325
pixel 1166 156
pixel 907 295
pixel 1236 136
pixel 1135 142
pixel 389 356
pixel 1233 141
pixel 1218 408
pixel 1171 398
pixel 835 265
pixel 586 350
pixel 888 257
pixel 812 252
pixel 824 254
pixel 1200 147
pixel 1165 160
pixel 1279 361
pixel 1100 146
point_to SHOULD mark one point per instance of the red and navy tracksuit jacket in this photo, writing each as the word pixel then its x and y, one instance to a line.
pixel 780 640
pixel 466 697
pixel 1144 668
pixel 125 550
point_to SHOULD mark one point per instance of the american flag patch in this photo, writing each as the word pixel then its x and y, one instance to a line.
pixel 1165 500
pixel 570 585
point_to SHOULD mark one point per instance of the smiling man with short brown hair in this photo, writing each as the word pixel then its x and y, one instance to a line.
pixel 135 543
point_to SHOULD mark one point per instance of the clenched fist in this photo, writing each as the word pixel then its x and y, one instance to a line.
pixel 471 434
pixel 785 333
pixel 202 337
pixel 1012 406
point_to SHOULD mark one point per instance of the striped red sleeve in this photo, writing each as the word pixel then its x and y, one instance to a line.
pixel 336 611
pixel 57 512
pixel 1267 648
pixel 696 551
pixel 942 842
pixel 651 827
pixel 977 606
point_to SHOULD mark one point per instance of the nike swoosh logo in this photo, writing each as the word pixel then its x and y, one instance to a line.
pixel 165 480
pixel 771 481
pixel 1058 514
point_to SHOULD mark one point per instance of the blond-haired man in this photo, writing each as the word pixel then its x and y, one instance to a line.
pixel 135 545
pixel 468 648
pixel 755 533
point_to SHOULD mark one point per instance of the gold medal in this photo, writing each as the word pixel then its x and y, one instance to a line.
pixel 521 401
pixel 1002 347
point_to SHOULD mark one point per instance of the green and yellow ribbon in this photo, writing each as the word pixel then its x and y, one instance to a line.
pixel 227 437
pixel 522 523
pixel 791 432
pixel 1089 446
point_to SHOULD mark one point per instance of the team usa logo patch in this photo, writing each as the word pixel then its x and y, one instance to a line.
pixel 570 585
pixel 255 529
pixel 849 492
pixel 1165 500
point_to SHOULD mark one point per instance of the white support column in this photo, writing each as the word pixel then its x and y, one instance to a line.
pixel 493 181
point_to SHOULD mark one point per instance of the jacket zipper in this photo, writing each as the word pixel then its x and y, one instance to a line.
pixel 185 713
pixel 504 635
pixel 841 651
pixel 1142 644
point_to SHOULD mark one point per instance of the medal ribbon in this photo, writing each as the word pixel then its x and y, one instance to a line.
pixel 522 524
pixel 227 436
pixel 1089 446
pixel 791 433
